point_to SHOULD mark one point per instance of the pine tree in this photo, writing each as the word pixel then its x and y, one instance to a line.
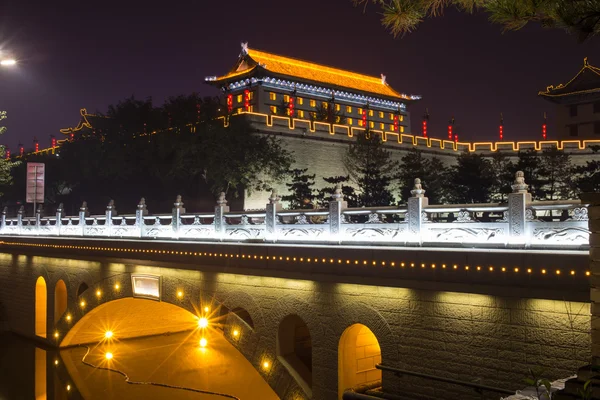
pixel 588 175
pixel 301 186
pixel 556 174
pixel 324 195
pixel 432 172
pixel 327 113
pixel 471 179
pixel 529 163
pixel 503 176
pixel 371 168
pixel 5 165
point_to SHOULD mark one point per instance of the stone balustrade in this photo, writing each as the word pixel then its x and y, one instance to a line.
pixel 519 223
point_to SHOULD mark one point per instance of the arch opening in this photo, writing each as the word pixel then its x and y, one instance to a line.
pixel 294 350
pixel 60 300
pixel 41 298
pixel 244 315
pixel 358 353
pixel 82 288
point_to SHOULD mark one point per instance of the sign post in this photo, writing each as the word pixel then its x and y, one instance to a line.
pixel 35 184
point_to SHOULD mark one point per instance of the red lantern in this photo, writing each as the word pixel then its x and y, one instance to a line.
pixel 544 127
pixel 364 118
pixel 396 120
pixel 37 146
pixel 450 132
pixel 229 103
pixel 53 140
pixel 501 132
pixel 424 128
pixel 455 138
pixel 291 106
pixel 246 100
pixel 21 150
pixel 7 153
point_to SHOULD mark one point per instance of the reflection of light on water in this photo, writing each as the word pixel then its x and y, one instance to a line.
pixel 40 374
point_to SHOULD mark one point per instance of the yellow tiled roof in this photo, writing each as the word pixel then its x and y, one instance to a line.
pixel 317 73
pixel 322 73
pixel 584 87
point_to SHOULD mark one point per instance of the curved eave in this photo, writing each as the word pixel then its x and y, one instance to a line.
pixel 232 77
pixel 397 98
pixel 560 97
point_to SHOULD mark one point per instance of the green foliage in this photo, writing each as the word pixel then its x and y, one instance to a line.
pixel 471 179
pixel 579 17
pixel 529 163
pixel 588 175
pixel 181 147
pixel 371 168
pixel 6 178
pixel 504 175
pixel 587 392
pixel 556 174
pixel 432 172
pixel 301 186
pixel 324 195
pixel 542 385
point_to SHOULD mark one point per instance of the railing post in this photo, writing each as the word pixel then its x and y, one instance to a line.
pixel 20 219
pixel 336 206
pixel 38 218
pixel 140 213
pixel 517 203
pixel 111 212
pixel 59 213
pixel 416 203
pixel 271 217
pixel 220 209
pixel 83 213
pixel 3 221
pixel 176 220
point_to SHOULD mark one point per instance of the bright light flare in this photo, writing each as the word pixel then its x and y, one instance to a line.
pixel 8 62
pixel 108 334
pixel 206 309
pixel 266 365
pixel 108 355
pixel 236 333
pixel 202 323
pixel 203 342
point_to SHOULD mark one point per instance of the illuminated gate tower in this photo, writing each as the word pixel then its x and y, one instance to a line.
pixel 266 83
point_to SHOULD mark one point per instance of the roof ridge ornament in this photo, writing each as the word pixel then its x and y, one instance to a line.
pixel 383 82
pixel 244 48
pixel 585 62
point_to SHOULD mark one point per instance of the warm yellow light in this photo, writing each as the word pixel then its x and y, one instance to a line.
pixel 203 342
pixel 56 334
pixel 266 364
pixel 455 266
pixel 82 303
pixel 108 334
pixel 587 273
pixel 236 333
pixel 467 268
pixel 516 269
pixel 98 293
pixel 478 268
pixel 180 294
pixel 117 286
pixel 572 272
pixel 69 317
pixel 203 322
pixel 491 269
pixel 55 362
pixel 558 272
pixel 543 271
pixel 68 387
pixel 503 269
pixel 109 355
pixel 206 309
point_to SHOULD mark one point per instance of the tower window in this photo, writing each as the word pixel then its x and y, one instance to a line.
pixel 371 113
pixel 573 111
pixel 273 109
pixel 338 107
pixel 239 98
pixel 300 101
pixel 286 98
pixel 381 126
pixel 371 124
pixel 348 109
pixel 349 121
pixel 300 114
pixel 272 96
pixel 392 116
pixel 313 103
pixel 573 130
pixel 380 114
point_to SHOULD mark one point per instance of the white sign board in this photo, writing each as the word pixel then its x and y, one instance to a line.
pixel 146 286
pixel 35 183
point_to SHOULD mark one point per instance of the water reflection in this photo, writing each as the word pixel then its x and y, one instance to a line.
pixel 28 371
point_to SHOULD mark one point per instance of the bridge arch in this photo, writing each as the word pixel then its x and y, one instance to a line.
pixel 60 299
pixel 358 353
pixel 41 307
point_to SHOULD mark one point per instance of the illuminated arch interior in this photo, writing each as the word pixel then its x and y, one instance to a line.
pixel 244 316
pixel 358 353
pixel 294 349
pixel 130 318
pixel 41 299
pixel 60 300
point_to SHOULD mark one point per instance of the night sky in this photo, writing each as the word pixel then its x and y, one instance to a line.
pixel 93 54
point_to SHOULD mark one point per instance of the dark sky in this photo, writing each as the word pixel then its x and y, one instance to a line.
pixel 93 54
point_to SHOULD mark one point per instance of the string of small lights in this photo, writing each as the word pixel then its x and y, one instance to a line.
pixel 109 357
pixel 313 260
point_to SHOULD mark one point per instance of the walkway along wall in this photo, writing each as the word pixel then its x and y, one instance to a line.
pixel 480 326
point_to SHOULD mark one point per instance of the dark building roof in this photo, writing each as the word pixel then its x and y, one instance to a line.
pixel 585 84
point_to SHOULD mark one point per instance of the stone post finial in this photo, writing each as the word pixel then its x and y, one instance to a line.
pixel 21 210
pixel 274 198
pixel 5 210
pixel 39 209
pixel 221 201
pixel 418 190
pixel 111 207
pixel 142 206
pixel 520 186
pixel 338 195
pixel 179 204
pixel 83 206
pixel 60 208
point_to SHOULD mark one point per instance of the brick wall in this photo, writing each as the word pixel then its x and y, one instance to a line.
pixel 482 338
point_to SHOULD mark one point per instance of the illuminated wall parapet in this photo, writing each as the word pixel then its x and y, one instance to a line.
pixel 520 223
